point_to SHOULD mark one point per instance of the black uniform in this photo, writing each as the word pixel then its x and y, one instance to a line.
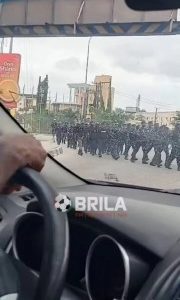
pixel 53 129
pixel 101 140
pixel 136 142
pixel 127 131
pixel 147 144
pixel 175 152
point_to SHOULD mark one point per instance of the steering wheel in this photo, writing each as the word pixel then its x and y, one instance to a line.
pixel 19 282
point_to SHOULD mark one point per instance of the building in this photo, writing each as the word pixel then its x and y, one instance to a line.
pixel 163 118
pixel 103 85
pixel 27 102
pixel 131 110
pixel 56 107
pixel 77 92
pixel 98 94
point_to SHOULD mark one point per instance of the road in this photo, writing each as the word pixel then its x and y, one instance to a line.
pixel 93 167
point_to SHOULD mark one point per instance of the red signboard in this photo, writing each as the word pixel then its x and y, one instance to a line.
pixel 9 79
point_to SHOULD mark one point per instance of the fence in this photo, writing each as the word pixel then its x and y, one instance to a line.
pixel 36 123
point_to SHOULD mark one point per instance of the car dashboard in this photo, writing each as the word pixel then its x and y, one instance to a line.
pixel 111 256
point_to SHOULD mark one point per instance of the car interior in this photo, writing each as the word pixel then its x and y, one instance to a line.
pixel 47 254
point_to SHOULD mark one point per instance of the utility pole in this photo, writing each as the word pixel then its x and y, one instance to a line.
pixel 101 100
pixel 2 45
pixel 85 104
pixel 109 102
pixel 138 101
pixel 11 45
pixel 87 61
pixel 56 97
pixel 155 116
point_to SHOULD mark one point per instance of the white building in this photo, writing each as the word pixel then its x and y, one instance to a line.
pixel 59 106
pixel 162 117
pixel 26 102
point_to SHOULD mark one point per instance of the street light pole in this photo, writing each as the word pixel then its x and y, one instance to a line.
pixel 155 116
pixel 87 60
pixel 2 45
pixel 11 45
pixel 86 79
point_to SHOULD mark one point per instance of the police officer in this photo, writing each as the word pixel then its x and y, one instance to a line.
pixel 93 136
pixel 136 142
pixel 159 145
pixel 127 131
pixel 58 134
pixel 53 129
pixel 115 142
pixel 121 139
pixel 148 142
pixel 101 132
pixel 175 152
pixel 70 137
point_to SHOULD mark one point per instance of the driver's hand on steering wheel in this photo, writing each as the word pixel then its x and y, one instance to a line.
pixel 16 152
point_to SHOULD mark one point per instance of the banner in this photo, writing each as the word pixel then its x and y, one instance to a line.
pixel 9 79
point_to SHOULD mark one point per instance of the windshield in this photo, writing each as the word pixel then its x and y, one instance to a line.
pixel 107 108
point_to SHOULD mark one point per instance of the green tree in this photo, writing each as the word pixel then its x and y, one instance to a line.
pixel 42 93
pixel 45 91
pixel 68 115
pixel 116 117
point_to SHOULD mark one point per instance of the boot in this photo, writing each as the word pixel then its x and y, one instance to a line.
pixel 133 159
pixel 167 166
pixel 80 152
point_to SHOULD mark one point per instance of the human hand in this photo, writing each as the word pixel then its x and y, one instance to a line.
pixel 16 152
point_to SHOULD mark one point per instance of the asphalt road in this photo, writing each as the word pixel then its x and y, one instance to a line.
pixel 106 168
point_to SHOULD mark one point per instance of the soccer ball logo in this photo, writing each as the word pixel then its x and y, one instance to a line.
pixel 62 203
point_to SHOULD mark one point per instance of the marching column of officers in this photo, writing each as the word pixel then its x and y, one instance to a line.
pixel 99 139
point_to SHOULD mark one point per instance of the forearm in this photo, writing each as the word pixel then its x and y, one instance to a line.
pixel 6 173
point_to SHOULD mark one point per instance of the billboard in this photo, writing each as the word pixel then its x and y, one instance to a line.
pixel 9 79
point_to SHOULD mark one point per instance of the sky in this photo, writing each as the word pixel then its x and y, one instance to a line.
pixel 149 66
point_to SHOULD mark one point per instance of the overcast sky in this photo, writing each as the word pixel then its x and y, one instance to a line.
pixel 149 66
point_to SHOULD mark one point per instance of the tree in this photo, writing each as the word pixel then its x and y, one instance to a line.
pixel 116 117
pixel 39 94
pixel 42 93
pixel 68 115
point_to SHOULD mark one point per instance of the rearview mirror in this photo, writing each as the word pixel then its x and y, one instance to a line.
pixel 146 5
